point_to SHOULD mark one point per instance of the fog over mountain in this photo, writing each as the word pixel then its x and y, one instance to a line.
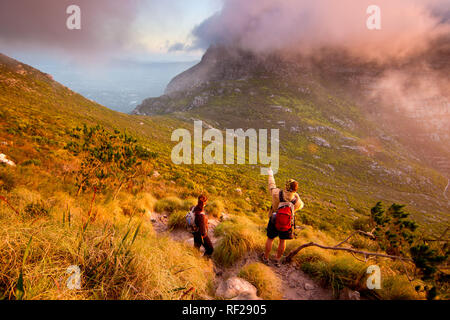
pixel 407 27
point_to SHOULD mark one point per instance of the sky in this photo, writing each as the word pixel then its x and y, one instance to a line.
pixel 180 30
pixel 142 30
pixel 115 32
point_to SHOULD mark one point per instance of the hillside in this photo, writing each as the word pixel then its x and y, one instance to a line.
pixel 125 227
pixel 330 138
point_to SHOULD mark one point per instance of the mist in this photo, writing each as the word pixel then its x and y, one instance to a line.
pixel 407 26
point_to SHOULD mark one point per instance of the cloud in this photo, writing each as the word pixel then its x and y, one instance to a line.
pixel 177 47
pixel 106 25
pixel 303 26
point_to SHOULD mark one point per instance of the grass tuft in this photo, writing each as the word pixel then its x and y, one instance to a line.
pixel 264 279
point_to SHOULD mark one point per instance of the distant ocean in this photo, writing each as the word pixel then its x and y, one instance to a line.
pixel 120 86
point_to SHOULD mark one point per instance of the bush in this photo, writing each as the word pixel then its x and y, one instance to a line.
pixel 397 287
pixel 177 220
pixel 145 201
pixel 337 272
pixel 189 203
pixel 264 279
pixel 361 224
pixel 215 208
pixel 7 182
pixel 168 204
pixel 34 162
pixel 240 236
pixel 36 210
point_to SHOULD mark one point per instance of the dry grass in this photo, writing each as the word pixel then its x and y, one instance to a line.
pixel 240 236
pixel 215 208
pixel 169 204
pixel 398 287
pixel 177 220
pixel 264 279
pixel 119 257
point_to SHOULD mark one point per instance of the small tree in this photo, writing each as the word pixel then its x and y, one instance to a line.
pixel 107 159
pixel 394 232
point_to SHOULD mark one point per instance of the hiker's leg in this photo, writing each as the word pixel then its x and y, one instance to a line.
pixel 197 240
pixel 269 243
pixel 207 244
pixel 281 248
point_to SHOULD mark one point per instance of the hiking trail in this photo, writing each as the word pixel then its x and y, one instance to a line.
pixel 296 285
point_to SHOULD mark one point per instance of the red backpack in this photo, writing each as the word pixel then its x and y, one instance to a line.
pixel 285 213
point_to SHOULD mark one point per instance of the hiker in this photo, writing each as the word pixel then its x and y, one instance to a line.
pixel 281 219
pixel 200 228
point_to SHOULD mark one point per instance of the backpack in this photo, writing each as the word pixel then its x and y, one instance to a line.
pixel 190 220
pixel 284 215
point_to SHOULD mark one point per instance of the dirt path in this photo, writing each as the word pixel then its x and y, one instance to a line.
pixel 296 285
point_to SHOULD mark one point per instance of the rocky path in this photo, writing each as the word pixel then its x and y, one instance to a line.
pixel 296 285
pixel 299 286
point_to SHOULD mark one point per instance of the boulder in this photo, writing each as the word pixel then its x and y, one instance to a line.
pixel 247 296
pixel 347 294
pixel 234 287
pixel 308 286
pixel 4 159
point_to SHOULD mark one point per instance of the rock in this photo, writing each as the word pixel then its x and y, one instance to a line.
pixel 321 142
pixel 224 217
pixel 356 148
pixel 308 286
pixel 155 174
pixel 152 216
pixel 347 294
pixel 199 101
pixel 3 159
pixel 293 280
pixel 233 287
pixel 247 296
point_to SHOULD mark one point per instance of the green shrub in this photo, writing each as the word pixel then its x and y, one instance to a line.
pixel 189 203
pixel 337 273
pixel 397 287
pixel 34 162
pixel 177 220
pixel 168 204
pixel 215 208
pixel 264 279
pixel 240 236
pixel 361 224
